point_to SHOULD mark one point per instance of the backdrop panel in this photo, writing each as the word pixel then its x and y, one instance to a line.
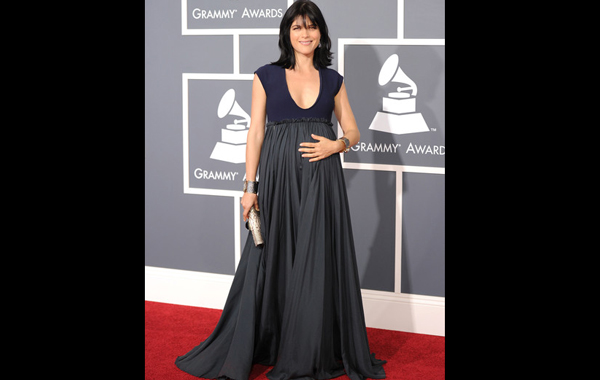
pixel 423 234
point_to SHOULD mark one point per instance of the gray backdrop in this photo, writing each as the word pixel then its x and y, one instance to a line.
pixel 191 230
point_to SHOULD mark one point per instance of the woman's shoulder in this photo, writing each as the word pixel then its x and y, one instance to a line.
pixel 331 72
pixel 268 76
pixel 267 69
pixel 334 78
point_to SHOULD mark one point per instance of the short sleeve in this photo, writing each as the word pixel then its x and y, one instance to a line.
pixel 339 81
pixel 263 75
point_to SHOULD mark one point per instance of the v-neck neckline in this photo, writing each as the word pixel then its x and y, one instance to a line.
pixel 290 94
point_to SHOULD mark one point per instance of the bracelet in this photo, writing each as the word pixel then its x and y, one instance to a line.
pixel 250 187
pixel 346 144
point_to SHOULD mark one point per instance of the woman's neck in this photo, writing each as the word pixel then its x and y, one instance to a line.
pixel 303 63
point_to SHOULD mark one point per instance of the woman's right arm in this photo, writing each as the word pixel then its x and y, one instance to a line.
pixel 256 134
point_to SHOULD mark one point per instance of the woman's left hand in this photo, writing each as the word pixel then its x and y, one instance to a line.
pixel 321 149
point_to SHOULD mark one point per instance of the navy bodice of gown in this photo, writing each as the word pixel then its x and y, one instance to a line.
pixel 281 105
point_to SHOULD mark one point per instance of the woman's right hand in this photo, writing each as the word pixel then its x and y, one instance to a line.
pixel 249 200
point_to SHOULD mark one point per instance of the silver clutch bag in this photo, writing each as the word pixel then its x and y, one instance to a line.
pixel 253 224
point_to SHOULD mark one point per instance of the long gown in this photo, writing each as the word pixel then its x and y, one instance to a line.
pixel 294 303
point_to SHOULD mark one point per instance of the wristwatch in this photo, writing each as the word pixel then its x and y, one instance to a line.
pixel 346 143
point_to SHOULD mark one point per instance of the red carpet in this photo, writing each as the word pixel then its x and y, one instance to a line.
pixel 173 330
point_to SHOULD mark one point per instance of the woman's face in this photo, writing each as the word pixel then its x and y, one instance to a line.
pixel 305 38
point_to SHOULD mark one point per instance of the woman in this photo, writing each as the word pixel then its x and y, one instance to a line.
pixel 295 303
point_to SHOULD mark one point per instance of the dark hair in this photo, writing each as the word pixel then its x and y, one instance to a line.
pixel 304 8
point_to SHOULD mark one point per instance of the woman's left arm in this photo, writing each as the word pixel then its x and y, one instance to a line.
pixel 343 112
pixel 325 147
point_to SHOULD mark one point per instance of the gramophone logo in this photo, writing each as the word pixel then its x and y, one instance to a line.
pixel 398 114
pixel 232 147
